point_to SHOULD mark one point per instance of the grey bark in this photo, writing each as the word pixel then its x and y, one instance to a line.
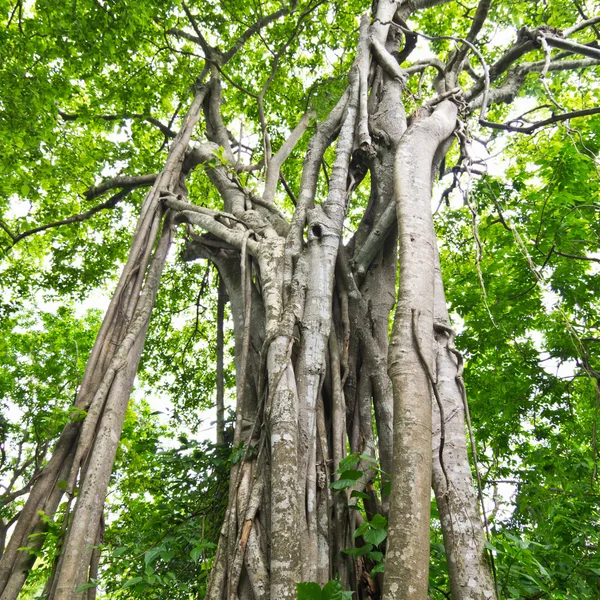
pixel 410 358
pixel 462 527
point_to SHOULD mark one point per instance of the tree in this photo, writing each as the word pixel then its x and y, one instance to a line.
pixel 296 171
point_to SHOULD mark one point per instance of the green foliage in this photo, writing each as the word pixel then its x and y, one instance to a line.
pixel 332 590
pixel 78 81
pixel 168 503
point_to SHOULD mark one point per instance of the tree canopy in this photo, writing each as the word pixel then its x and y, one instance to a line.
pixel 97 96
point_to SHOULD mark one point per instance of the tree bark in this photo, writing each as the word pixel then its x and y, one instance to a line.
pixel 411 359
pixel 462 527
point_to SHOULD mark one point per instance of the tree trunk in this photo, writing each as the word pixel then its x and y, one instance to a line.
pixel 311 319
pixel 470 578
pixel 411 358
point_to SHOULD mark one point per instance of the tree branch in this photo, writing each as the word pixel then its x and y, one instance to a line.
pixel 281 155
pixel 455 62
pixel 554 119
pixel 212 54
pixel 121 181
pixel 576 256
pixel 237 46
pixel 574 47
pixel 110 203
pixel 167 131
pixel 579 26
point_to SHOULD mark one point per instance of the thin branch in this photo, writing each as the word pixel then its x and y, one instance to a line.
pixel 554 119
pixel 184 34
pixel 516 77
pixel 121 181
pixel 281 155
pixel 167 131
pixel 211 53
pixel 287 188
pixel 576 256
pixel 579 26
pixel 238 44
pixel 110 203
pixel 574 47
pixel 483 8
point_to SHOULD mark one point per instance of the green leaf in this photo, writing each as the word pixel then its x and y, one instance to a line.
pixel 86 586
pixel 151 554
pixel 358 551
pixel 196 553
pixel 375 556
pixel 332 590
pixel 133 581
pixel 348 462
pixel 357 494
pixel 379 522
pixel 375 536
pixel 351 474
pixel 308 591
pixel 342 484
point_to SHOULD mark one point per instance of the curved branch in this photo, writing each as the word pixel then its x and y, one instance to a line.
pixel 84 216
pixel 121 181
pixel 210 224
pixel 237 46
pixel 282 154
pixel 554 119
pixel 167 131
pixel 421 65
pixel 579 26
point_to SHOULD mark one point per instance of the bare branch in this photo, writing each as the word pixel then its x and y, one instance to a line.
pixel 554 119
pixel 516 77
pixel 110 203
pixel 576 256
pixel 579 26
pixel 364 139
pixel 237 46
pixel 184 34
pixel 386 61
pixel 287 188
pixel 210 52
pixel 455 62
pixel 167 131
pixel 574 47
pixel 215 128
pixel 261 109
pixel 121 181
pixel 421 65
pixel 524 44
pixel 410 41
pixel 234 237
pixel 282 154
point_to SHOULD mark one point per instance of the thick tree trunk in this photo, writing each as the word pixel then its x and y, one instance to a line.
pixel 85 451
pixel 411 359
pixel 470 576
pixel 314 369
